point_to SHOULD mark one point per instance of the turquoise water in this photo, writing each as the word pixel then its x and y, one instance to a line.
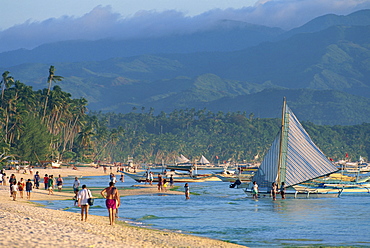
pixel 219 212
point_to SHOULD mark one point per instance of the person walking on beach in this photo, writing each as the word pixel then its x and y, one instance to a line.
pixel 4 178
pixel 59 183
pixel 282 190
pixel 76 184
pixel 82 198
pixel 187 191
pixel 255 190
pixel 46 179
pixel 28 189
pixel 13 190
pixel 12 180
pixel 21 186
pixel 51 185
pixel 112 201
pixel 36 179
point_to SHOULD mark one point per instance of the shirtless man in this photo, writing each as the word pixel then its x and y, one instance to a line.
pixel 112 201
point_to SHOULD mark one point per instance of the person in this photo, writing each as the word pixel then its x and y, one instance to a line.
pixel 31 170
pixel 165 185
pixel 151 178
pixel 28 188
pixel 171 180
pixel 51 185
pixel 122 179
pixel 187 191
pixel 160 182
pixel 274 190
pixel 76 184
pixel 75 198
pixel 12 180
pixel 46 179
pixel 82 198
pixel 14 190
pixel 4 179
pixel 21 186
pixel 36 180
pixel 282 190
pixel 255 190
pixel 59 183
pixel 112 201
pixel 1 177
pixel 147 176
pixel 113 178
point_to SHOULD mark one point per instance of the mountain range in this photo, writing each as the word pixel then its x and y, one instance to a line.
pixel 323 67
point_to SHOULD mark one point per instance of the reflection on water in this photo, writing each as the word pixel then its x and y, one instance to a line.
pixel 219 212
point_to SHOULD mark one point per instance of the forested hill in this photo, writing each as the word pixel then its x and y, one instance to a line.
pixel 332 58
pixel 48 124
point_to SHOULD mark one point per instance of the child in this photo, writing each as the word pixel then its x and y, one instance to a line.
pixel 14 189
pixel 165 185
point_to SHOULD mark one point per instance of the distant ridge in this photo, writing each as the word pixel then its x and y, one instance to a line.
pixel 333 63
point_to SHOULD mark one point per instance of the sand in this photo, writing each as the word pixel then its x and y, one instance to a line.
pixel 27 224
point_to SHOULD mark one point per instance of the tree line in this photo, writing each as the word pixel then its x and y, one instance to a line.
pixel 47 124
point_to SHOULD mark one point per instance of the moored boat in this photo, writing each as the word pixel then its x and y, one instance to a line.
pixel 296 160
pixel 141 177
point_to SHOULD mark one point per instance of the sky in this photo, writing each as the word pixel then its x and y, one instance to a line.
pixel 27 24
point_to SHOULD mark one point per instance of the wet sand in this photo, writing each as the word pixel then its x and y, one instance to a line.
pixel 28 224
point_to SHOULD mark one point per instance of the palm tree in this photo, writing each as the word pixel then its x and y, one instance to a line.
pixel 51 78
pixel 6 83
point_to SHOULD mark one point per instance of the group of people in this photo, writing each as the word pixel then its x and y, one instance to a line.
pixel 274 190
pixel 110 194
pixel 50 182
pixel 162 184
pixel 16 186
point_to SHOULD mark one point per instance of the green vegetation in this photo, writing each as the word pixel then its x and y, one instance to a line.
pixel 46 125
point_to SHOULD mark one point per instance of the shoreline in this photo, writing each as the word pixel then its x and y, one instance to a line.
pixel 29 224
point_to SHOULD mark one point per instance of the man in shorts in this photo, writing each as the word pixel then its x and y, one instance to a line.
pixel 76 184
pixel 28 188
pixel 112 201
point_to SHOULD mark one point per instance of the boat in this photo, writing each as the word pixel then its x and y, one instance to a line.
pixel 294 159
pixel 203 161
pixel 55 164
pixel 177 178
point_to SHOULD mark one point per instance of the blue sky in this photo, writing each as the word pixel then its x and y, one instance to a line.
pixel 30 23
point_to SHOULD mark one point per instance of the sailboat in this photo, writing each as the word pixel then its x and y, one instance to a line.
pixel 294 159
pixel 203 161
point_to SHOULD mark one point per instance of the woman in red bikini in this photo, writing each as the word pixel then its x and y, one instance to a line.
pixel 112 201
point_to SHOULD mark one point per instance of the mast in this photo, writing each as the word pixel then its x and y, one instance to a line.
pixel 283 144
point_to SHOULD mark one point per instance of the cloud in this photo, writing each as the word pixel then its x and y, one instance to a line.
pixel 102 22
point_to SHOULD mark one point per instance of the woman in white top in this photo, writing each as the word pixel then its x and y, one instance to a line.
pixel 82 197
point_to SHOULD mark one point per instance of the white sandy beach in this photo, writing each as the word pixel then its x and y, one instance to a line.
pixel 26 224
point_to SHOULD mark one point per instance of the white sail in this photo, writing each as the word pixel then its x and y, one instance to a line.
pixel 182 159
pixel 293 157
pixel 203 160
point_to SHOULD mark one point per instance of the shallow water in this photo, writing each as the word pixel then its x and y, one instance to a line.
pixel 219 212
